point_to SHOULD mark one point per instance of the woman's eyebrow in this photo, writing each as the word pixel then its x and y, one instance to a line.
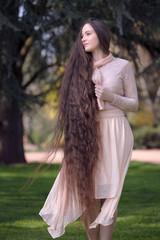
pixel 87 31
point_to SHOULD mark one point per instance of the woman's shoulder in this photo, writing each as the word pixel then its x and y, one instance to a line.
pixel 117 65
pixel 122 64
pixel 121 61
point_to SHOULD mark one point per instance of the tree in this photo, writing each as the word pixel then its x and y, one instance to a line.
pixel 18 22
pixel 44 30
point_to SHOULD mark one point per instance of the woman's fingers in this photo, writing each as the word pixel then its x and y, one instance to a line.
pixel 98 91
pixel 98 87
pixel 99 95
pixel 104 93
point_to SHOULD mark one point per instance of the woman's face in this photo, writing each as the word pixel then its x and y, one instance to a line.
pixel 89 39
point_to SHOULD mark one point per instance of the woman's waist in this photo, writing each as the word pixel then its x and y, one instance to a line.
pixel 109 113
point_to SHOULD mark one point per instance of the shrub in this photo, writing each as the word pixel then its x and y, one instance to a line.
pixel 147 137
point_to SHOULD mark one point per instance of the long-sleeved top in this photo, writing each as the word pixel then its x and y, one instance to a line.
pixel 117 75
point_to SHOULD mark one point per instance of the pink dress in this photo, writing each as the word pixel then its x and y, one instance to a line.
pixel 117 142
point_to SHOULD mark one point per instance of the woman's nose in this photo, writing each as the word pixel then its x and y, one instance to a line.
pixel 83 39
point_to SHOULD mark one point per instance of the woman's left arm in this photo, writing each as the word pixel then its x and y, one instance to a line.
pixel 128 102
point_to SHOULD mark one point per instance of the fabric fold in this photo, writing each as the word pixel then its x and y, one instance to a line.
pixel 109 178
pixel 97 78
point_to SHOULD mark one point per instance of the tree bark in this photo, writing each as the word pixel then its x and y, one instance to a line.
pixel 156 105
pixel 11 133
pixel 11 126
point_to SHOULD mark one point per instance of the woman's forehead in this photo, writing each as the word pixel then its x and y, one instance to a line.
pixel 87 27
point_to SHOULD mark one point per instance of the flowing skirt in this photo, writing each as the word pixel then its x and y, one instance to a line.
pixel 60 209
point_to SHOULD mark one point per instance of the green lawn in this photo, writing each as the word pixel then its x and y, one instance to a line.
pixel 138 215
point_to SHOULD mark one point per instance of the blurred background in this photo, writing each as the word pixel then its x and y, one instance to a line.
pixel 35 40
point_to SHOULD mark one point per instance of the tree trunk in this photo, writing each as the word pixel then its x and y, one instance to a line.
pixel 11 127
pixel 11 133
pixel 156 105
pixel 147 102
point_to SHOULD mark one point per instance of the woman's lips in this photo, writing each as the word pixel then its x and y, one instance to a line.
pixel 85 44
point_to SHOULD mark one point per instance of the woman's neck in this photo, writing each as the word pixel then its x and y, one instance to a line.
pixel 98 54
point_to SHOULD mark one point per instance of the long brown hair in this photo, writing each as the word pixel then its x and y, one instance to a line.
pixel 77 117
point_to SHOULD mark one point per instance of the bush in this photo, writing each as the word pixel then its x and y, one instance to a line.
pixel 140 118
pixel 147 137
pixel 41 128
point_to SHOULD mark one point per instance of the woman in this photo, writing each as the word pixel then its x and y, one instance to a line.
pixel 97 88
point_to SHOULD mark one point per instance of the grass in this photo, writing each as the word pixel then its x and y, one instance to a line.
pixel 138 214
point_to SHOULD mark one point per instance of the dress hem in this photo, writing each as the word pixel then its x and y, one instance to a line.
pixel 57 232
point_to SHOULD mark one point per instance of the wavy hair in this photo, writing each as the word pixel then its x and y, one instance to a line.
pixel 77 117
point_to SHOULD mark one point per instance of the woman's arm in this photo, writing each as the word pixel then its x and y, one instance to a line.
pixel 128 102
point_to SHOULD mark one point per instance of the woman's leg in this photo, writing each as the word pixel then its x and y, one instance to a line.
pixel 107 231
pixel 88 217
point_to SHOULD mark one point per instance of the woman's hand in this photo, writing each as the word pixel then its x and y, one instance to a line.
pixel 104 93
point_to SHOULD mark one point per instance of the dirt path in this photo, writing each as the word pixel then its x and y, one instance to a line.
pixel 150 156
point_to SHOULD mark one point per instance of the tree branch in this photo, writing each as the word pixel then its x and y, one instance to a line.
pixel 36 74
pixel 24 50
pixel 155 62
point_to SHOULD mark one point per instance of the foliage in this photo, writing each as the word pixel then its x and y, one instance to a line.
pixel 45 33
pixel 146 137
pixel 41 128
pixel 138 215
pixel 36 36
pixel 141 118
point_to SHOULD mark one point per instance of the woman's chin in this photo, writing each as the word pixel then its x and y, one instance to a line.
pixel 88 50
